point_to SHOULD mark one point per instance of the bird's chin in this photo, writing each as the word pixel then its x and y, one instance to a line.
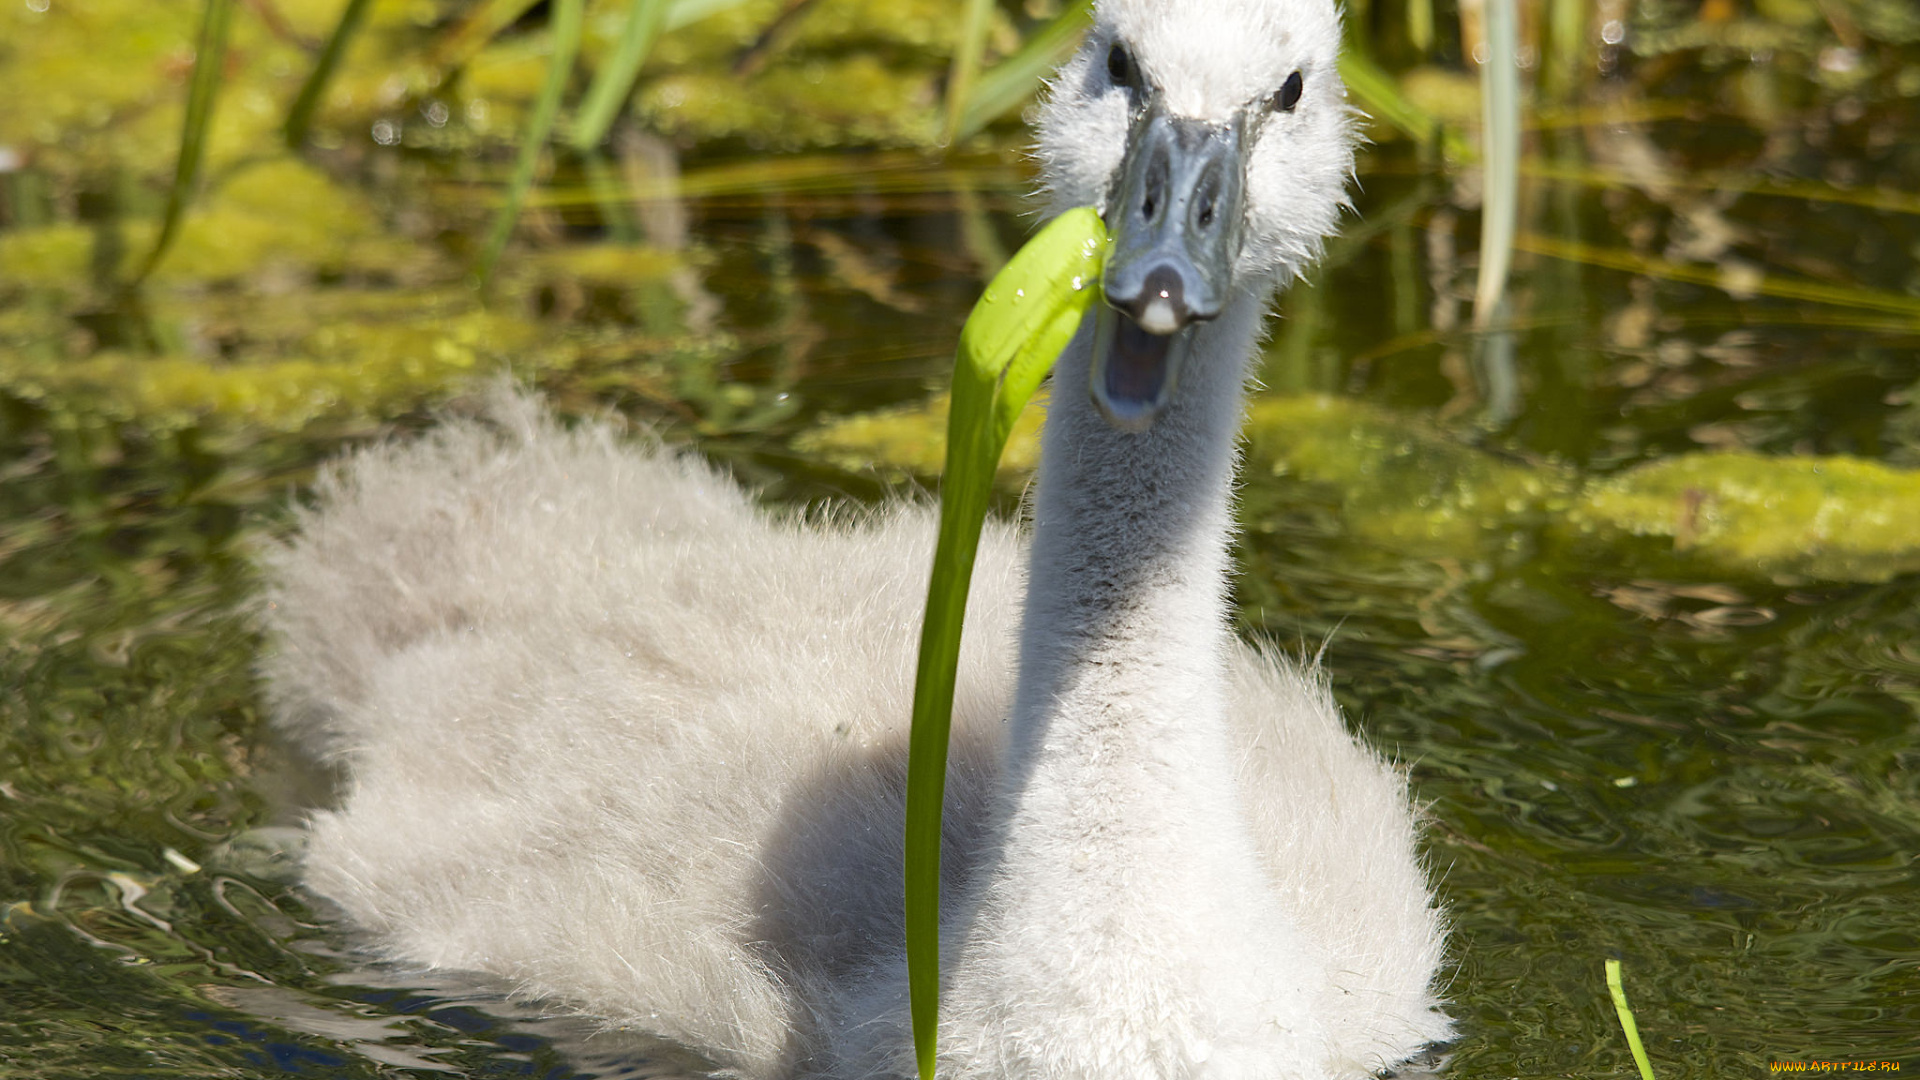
pixel 1134 372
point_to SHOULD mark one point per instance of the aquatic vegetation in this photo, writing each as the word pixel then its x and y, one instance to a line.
pixel 857 99
pixel 1653 671
pixel 1837 518
pixel 1402 481
pixel 105 79
pixel 911 440
pixel 323 370
pixel 568 16
pixel 241 231
pixel 1410 485
pixel 1627 1025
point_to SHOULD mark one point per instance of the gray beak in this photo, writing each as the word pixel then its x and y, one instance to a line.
pixel 1176 215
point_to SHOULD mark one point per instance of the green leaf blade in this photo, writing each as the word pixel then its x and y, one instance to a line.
pixel 974 24
pixel 1632 1030
pixel 1380 94
pixel 614 82
pixel 203 91
pixel 1028 314
pixel 300 117
pixel 1013 80
pixel 569 17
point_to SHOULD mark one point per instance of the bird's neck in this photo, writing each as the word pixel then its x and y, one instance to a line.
pixel 1124 900
pixel 1121 691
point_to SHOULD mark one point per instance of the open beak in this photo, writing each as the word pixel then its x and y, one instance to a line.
pixel 1176 216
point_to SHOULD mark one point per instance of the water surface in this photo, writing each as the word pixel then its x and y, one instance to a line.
pixel 1636 737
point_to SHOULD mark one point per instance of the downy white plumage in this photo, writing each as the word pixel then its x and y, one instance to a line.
pixel 616 738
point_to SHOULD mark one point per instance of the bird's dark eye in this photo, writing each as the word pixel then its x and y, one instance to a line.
pixel 1285 98
pixel 1119 65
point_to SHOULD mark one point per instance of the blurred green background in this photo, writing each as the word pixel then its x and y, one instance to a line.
pixel 1624 570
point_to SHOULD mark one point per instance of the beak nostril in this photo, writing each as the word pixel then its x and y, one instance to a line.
pixel 1154 197
pixel 1179 195
pixel 1206 196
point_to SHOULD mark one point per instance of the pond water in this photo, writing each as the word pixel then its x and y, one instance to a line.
pixel 1633 588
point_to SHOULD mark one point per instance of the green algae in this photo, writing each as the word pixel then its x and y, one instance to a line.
pixel 508 76
pixel 277 217
pixel 107 80
pixel 282 215
pixel 864 72
pixel 328 369
pixel 926 27
pixel 823 102
pixel 1836 518
pixel 616 266
pixel 56 256
pixel 1402 481
pixel 911 440
pixel 106 83
pixel 847 72
pixel 1411 486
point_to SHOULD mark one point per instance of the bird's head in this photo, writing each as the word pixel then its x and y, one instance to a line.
pixel 1215 137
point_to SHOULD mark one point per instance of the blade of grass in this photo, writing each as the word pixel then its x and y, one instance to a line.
pixel 687 12
pixel 1500 159
pixel 1499 208
pixel 471 34
pixel 966 60
pixel 1566 48
pixel 1742 182
pixel 1765 285
pixel 614 81
pixel 1013 80
pixel 749 61
pixel 486 18
pixel 1380 95
pixel 209 56
pixel 610 197
pixel 568 17
pixel 900 174
pixel 1627 1025
pixel 300 117
pixel 1028 313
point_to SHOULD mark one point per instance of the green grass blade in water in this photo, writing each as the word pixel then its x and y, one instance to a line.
pixel 612 83
pixel 1627 1025
pixel 568 18
pixel 470 33
pixel 1499 158
pixel 209 57
pixel 1379 93
pixel 1029 312
pixel 300 117
pixel 1013 80
pixel 966 60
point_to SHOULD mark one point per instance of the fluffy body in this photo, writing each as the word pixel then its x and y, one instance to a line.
pixel 619 739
